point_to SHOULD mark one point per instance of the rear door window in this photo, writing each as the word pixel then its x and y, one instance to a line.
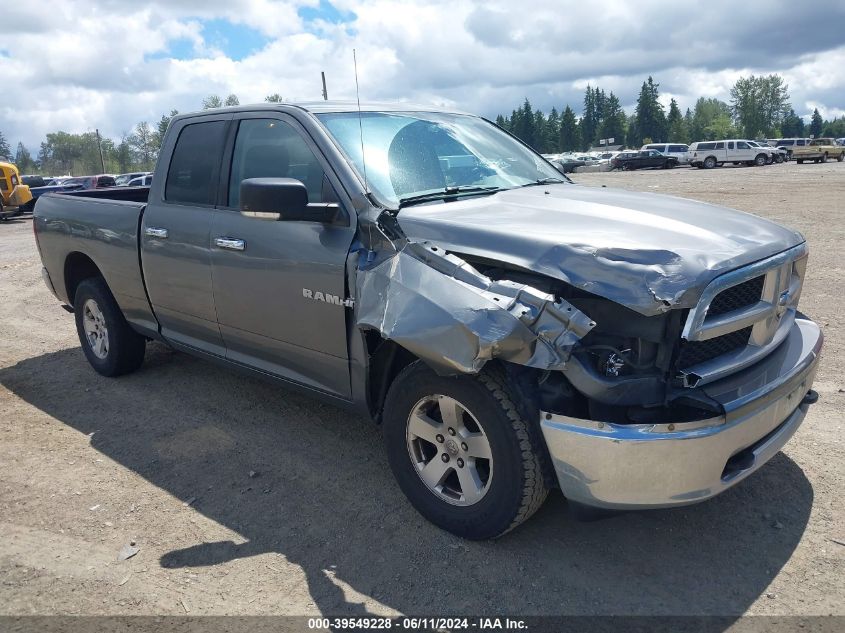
pixel 192 175
pixel 719 145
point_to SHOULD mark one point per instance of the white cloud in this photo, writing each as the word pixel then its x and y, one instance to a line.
pixel 106 63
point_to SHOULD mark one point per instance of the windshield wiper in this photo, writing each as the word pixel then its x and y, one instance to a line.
pixel 546 181
pixel 447 192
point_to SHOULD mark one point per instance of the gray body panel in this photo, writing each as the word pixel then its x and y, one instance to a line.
pixel 106 231
pixel 264 316
pixel 645 251
pixel 177 269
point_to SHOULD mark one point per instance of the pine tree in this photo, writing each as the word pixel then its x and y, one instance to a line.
pixel 523 126
pixel 815 124
pixel 5 149
pixel 589 119
pixel 613 120
pixel 677 129
pixel 651 120
pixel 553 131
pixel 23 160
pixel 792 125
pixel 570 132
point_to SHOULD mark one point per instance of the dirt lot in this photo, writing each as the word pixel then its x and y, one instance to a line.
pixel 163 458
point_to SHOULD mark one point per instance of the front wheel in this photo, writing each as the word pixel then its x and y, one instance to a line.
pixel 841 157
pixel 461 452
pixel 760 160
pixel 779 158
pixel 800 161
pixel 824 157
pixel 110 345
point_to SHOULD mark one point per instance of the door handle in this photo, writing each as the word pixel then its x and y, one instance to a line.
pixel 154 232
pixel 230 243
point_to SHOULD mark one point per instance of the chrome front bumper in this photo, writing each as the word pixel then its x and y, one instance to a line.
pixel 637 466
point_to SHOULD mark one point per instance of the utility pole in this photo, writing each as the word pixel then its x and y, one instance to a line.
pixel 100 148
pixel 325 94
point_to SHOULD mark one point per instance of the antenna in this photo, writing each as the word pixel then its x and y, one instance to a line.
pixel 360 124
pixel 325 94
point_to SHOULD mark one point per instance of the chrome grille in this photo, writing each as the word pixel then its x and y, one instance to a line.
pixel 737 297
pixel 696 352
pixel 741 316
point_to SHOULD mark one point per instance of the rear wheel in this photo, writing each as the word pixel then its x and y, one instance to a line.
pixel 709 162
pixel 110 345
pixel 461 452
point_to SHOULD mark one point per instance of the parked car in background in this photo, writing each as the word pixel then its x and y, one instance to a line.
pixel 15 197
pixel 567 163
pixel 141 181
pixel 123 179
pixel 776 155
pixel 52 186
pixel 819 150
pixel 789 144
pixel 709 154
pixel 91 182
pixel 643 159
pixel 678 150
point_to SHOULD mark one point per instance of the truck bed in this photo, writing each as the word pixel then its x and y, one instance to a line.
pixel 101 225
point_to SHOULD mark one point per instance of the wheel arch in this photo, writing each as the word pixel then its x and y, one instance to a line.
pixel 78 267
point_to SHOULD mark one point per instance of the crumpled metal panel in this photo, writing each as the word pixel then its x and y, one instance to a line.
pixel 648 252
pixel 447 313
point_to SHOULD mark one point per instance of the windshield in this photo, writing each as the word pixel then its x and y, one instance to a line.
pixel 413 154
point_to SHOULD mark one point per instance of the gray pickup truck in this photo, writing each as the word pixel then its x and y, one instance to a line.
pixel 509 330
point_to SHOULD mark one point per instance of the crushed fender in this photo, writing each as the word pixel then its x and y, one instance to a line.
pixel 447 313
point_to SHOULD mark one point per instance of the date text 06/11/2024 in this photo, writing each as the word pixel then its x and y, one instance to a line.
pixel 417 624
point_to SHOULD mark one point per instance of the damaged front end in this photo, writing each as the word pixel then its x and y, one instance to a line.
pixel 573 351
pixel 447 313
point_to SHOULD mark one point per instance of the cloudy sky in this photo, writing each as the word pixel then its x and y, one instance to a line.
pixel 79 64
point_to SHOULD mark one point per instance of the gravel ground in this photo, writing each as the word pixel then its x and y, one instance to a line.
pixel 246 499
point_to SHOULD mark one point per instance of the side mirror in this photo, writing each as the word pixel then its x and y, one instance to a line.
pixel 282 199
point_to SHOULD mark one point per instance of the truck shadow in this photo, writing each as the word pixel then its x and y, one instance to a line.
pixel 321 494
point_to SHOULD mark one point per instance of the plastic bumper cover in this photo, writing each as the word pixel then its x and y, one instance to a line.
pixel 660 465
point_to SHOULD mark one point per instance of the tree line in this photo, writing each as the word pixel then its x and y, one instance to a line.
pixel 63 153
pixel 759 109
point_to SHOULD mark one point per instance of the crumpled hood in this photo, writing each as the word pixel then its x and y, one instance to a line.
pixel 646 251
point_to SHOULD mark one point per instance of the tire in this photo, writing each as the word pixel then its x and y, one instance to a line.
pixel 709 162
pixel 779 159
pixel 800 161
pixel 841 157
pixel 110 345
pixel 824 157
pixel 760 160
pixel 506 488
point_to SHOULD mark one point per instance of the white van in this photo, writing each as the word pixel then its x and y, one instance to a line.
pixel 709 154
pixel 678 150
